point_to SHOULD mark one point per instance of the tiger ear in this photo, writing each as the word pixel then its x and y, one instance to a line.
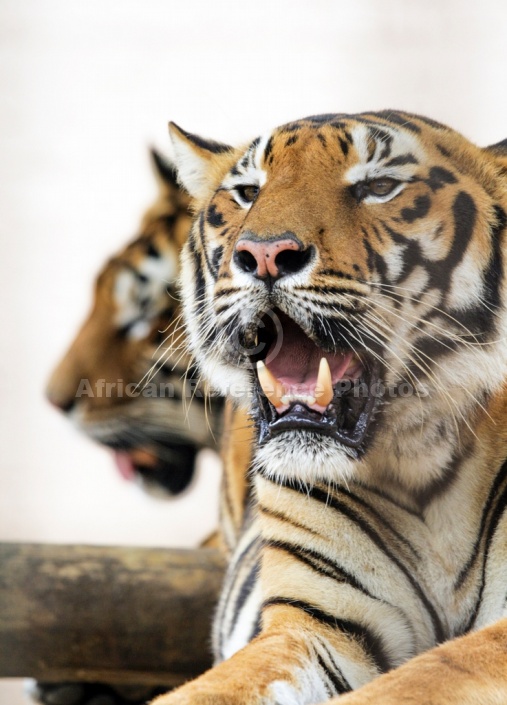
pixel 165 171
pixel 499 150
pixel 194 158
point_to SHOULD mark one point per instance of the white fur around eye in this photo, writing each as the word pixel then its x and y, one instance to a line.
pixel 139 330
pixel 371 198
pixel 126 296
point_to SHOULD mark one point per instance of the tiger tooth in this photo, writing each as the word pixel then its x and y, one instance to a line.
pixel 256 340
pixel 269 385
pixel 324 383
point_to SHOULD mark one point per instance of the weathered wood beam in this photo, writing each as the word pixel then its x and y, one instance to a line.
pixel 117 615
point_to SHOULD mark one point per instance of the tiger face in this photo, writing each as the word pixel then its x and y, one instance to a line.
pixel 124 381
pixel 343 280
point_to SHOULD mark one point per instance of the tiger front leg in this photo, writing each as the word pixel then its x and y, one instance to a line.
pixel 247 678
pixel 471 670
pixel 292 662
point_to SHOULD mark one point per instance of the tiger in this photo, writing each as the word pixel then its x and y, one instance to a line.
pixel 124 381
pixel 343 286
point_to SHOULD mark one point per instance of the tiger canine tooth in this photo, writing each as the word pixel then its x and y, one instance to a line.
pixel 324 386
pixel 270 385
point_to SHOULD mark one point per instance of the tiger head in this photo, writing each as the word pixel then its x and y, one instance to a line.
pixel 124 381
pixel 344 280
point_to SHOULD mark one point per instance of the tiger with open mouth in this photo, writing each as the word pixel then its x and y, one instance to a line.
pixel 125 380
pixel 344 284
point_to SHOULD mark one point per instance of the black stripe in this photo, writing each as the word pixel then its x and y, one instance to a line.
pixel 401 160
pixel 495 520
pixel 214 217
pixel 440 177
pixel 336 669
pixel 330 289
pixel 337 686
pixel 227 292
pixel 397 119
pixel 203 143
pixel 419 209
pixel 375 261
pixel 495 488
pixel 333 273
pixel 281 517
pixel 216 259
pixel 493 276
pixel 404 541
pixel 268 148
pixel 371 644
pixel 427 121
pixel 244 593
pixel 344 145
pixel 414 512
pixel 232 580
pixel 464 213
pixel 200 284
pixel 342 508
pixel 331 569
pixel 202 238
pixel 443 151
pixel 443 483
pixel 412 254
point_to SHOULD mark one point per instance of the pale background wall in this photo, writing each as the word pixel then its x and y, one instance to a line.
pixel 84 88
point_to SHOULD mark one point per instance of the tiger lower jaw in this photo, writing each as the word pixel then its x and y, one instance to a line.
pixel 302 387
pixel 342 410
pixel 305 457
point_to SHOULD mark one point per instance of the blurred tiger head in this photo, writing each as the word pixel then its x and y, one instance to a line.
pixel 125 381
pixel 344 279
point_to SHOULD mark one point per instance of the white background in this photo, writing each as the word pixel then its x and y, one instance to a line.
pixel 85 87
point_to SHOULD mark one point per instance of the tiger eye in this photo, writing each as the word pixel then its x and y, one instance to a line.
pixel 382 186
pixel 248 192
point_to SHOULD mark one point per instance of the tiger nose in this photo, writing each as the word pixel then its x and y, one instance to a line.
pixel 272 259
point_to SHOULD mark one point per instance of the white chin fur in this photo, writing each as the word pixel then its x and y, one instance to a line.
pixel 305 457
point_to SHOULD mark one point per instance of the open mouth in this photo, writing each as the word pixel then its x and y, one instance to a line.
pixel 301 386
pixel 166 475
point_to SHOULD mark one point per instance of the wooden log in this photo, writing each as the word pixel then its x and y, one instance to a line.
pixel 116 615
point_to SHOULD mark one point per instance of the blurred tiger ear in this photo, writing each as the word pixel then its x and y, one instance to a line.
pixel 194 157
pixel 499 150
pixel 165 171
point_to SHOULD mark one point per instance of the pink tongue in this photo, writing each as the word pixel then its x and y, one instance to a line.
pixel 125 465
pixel 296 365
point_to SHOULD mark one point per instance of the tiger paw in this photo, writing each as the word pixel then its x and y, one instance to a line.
pixel 90 693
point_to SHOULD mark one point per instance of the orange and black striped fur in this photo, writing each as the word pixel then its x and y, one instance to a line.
pixel 344 284
pixel 124 381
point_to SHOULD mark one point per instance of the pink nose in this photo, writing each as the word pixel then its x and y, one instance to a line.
pixel 266 258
